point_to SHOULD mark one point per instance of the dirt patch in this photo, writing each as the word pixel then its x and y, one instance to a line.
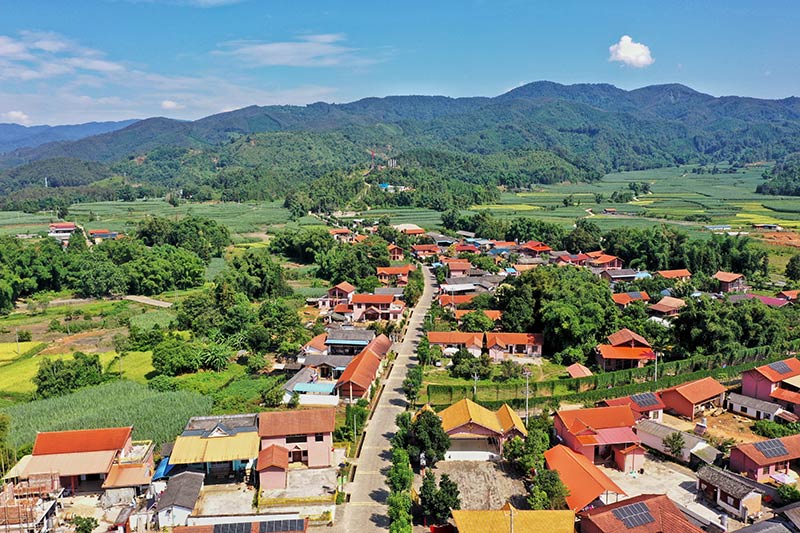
pixel 87 341
pixel 727 425
pixel 483 484
pixel 779 238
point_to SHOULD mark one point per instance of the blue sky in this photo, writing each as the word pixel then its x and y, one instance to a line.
pixel 76 61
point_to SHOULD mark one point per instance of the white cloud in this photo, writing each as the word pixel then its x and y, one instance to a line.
pixel 630 53
pixel 320 50
pixel 13 49
pixel 171 104
pixel 18 117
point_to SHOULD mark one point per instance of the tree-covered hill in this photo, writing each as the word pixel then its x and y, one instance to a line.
pixel 783 178
pixel 13 136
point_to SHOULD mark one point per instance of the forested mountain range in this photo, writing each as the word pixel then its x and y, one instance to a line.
pixel 13 136
pixel 542 131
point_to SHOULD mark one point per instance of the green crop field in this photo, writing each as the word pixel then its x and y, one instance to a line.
pixel 16 376
pixel 159 317
pixel 9 351
pixel 136 366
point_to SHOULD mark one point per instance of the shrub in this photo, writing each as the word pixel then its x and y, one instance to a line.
pixel 24 335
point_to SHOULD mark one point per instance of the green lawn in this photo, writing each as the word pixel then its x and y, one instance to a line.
pixel 136 366
pixel 15 377
pixel 149 319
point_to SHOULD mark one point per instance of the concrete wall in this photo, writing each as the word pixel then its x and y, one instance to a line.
pixel 272 478
pixel 173 516
pixel 755 385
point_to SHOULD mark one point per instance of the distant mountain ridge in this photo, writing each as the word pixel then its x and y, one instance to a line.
pixel 603 125
pixel 13 136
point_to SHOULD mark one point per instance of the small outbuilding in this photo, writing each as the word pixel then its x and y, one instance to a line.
pixel 177 502
pixel 691 399
pixel 273 465
pixel 732 492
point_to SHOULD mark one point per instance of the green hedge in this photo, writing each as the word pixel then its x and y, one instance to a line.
pixel 585 389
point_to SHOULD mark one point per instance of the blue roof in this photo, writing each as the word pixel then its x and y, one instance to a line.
pixel 643 275
pixel 163 469
pixel 510 270
pixel 346 341
pixel 383 185
pixel 320 388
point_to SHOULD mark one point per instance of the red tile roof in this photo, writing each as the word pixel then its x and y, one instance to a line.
pixel 726 277
pixel 425 248
pixel 362 370
pixel 461 248
pixel 584 480
pixel 456 337
pixel 505 339
pixel 699 391
pixel 791 443
pixel 296 422
pixel 273 455
pixel 626 337
pixel 604 259
pixel 343 309
pixel 597 418
pixel 667 518
pixel 380 345
pixel 789 295
pixel 62 225
pixel 626 297
pixel 626 352
pixel 674 274
pixel 577 370
pixel 786 396
pixel 459 266
pixel 403 270
pixel 318 342
pixel 490 313
pixel 774 376
pixel 344 286
pixel 639 410
pixel 372 299
pixel 82 440
pixel 339 231
pixel 457 299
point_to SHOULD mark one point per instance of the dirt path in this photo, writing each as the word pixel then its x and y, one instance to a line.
pixel 148 301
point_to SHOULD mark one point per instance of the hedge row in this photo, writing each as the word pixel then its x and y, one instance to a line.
pixel 638 379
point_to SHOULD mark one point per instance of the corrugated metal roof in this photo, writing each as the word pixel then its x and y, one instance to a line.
pixel 501 520
pixel 71 464
pixel 196 449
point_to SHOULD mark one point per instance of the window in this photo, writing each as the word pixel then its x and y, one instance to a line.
pixel 744 410
pixel 731 501
pixel 292 439
pixel 318 437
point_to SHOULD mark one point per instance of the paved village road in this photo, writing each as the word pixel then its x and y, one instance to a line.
pixel 368 491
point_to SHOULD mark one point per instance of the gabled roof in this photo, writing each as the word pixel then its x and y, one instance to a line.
pixel 297 422
pixel 459 266
pixel 507 339
pixel 183 490
pixel 523 521
pixel 667 304
pixel 667 518
pixel 345 287
pixel 466 412
pixel 128 475
pixel 425 248
pixel 339 231
pixel 490 313
pixel 625 352
pixel 380 345
pixel 458 299
pixel 402 270
pixel 620 273
pixel 215 449
pixel 639 403
pixel 789 295
pixel 577 370
pixel 730 483
pixel 791 443
pixel 755 403
pixel 372 299
pixel 317 343
pixel 602 259
pixel 361 370
pixel 81 440
pixel 771 301
pixel 273 455
pixel 456 337
pixel 349 335
pixel 771 372
pixel 727 277
pixel 674 274
pixel 696 391
pixel 597 418
pixel 626 337
pixel 627 297
pixel 584 480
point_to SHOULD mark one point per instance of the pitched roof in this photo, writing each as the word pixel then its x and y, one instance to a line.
pixel 506 339
pixel 458 299
pixel 625 352
pixel 755 403
pixel 789 295
pixel 785 395
pixel 657 429
pixel 620 272
pixel 183 490
pixel 128 475
pixel 732 484
pixel 597 418
pixel 791 443
pixel 502 520
pixel 627 337
pixel 673 274
pixel 490 313
pixel 726 277
pixel 770 371
pixel 372 299
pixel 81 440
pixel 456 337
pixel 667 304
pixel 667 518
pixel 584 480
pixel 380 345
pixel 317 343
pixel 466 412
pixel 425 248
pixel 350 335
pixel 215 449
pixel 639 403
pixel 71 464
pixel 273 455
pixel 577 370
pixel 602 259
pixel 402 270
pixel 297 422
pixel 344 286
pixel 361 370
pixel 697 391
pixel 627 297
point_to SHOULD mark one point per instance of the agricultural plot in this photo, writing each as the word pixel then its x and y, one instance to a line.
pixel 136 366
pixel 16 376
pixel 17 222
pixel 9 351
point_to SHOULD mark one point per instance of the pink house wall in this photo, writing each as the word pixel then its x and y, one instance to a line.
pixel 272 477
pixel 744 465
pixel 757 386
pixel 571 441
pixel 319 453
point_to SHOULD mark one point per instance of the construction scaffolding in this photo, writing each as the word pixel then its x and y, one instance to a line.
pixel 30 506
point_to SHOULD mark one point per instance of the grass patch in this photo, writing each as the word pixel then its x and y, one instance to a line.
pixel 15 377
pixel 9 353
pixel 136 366
pixel 208 382
pixel 160 317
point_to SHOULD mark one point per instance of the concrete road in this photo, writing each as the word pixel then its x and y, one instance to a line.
pixel 368 492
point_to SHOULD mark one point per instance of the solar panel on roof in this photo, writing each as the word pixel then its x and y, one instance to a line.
pixel 780 367
pixel 771 448
pixel 277 526
pixel 634 515
pixel 644 399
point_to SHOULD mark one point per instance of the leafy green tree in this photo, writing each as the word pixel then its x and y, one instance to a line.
pixel 272 394
pixel 412 384
pixel 476 321
pixel 674 443
pixel 85 524
pixel 427 435
pixel 437 503
pixel 793 268
pixel 466 366
pixel 527 455
pixel 56 377
pixel 400 475
pixel 215 356
pixel 77 243
pixel 788 494
pixel 172 357
pixel 548 491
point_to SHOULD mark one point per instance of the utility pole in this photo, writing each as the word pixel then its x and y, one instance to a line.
pixel 527 374
pixel 16 336
pixel 475 385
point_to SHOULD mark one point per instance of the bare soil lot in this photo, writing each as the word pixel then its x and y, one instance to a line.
pixel 483 484
pixel 726 425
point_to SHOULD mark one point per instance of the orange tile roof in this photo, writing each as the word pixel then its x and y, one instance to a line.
pixel 584 480
pixel 667 518
pixel 503 244
pixel 625 352
pixel 425 248
pixel 318 342
pixel 380 345
pixel 82 440
pixel 505 339
pixel 627 337
pixel 339 231
pixel 577 370
pixel 791 443
pixel 392 247
pixel 456 299
pixel 596 253
pixel 789 295
pixel 279 423
pixel 667 304
pixel 699 391
pixel 597 418
pixel 344 286
pixel 273 455
pixel 360 238
pixel 343 308
pixel 625 298
pixel 726 277
pixel 775 376
pixel 455 337
pixel 128 475
pixel 785 395
pixel 402 270
pixel 604 259
pixel 490 313
pixel 459 266
pixel 372 299
pixel 674 274
pixel 638 409
pixel 362 369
